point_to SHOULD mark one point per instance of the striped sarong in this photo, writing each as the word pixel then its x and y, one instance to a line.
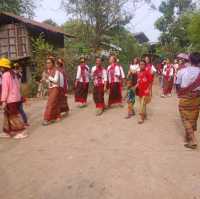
pixel 189 111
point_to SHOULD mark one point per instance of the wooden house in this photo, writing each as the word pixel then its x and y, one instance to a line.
pixel 16 33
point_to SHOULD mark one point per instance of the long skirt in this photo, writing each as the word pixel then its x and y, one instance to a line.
pixel 189 112
pixel 98 96
pixel 143 101
pixel 81 92
pixel 52 111
pixel 64 108
pixel 115 95
pixel 12 123
pixel 167 86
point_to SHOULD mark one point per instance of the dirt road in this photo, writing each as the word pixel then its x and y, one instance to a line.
pixel 107 157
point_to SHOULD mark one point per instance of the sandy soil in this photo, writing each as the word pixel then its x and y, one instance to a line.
pixel 107 157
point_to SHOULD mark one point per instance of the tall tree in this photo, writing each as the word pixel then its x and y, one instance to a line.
pixel 19 7
pixel 102 15
pixel 173 25
pixel 50 22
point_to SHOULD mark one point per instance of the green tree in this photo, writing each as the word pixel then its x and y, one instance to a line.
pixel 173 25
pixel 19 7
pixel 102 15
pixel 193 31
pixel 50 22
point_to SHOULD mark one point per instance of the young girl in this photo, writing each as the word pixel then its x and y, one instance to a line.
pixel 130 98
pixel 144 86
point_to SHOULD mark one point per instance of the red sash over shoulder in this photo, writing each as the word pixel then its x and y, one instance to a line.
pixel 190 88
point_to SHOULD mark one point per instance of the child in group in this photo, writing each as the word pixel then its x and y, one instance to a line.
pixel 130 97
pixel 144 86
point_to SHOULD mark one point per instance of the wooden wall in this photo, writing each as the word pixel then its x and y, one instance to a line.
pixel 14 41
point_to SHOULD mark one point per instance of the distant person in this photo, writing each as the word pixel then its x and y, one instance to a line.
pixel 99 77
pixel 82 83
pixel 144 87
pixel 134 68
pixel 114 82
pixel 168 78
pixel 13 125
pixel 188 89
pixel 43 85
pixel 150 68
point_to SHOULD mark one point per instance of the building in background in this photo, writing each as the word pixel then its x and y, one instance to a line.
pixel 16 34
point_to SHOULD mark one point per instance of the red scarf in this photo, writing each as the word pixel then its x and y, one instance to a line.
pixel 112 72
pixel 190 88
pixel 83 72
pixel 98 74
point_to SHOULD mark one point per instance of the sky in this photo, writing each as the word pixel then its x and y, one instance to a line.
pixel 143 20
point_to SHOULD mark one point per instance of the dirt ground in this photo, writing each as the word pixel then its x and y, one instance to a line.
pixel 107 157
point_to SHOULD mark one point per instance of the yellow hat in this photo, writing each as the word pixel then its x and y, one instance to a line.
pixel 5 63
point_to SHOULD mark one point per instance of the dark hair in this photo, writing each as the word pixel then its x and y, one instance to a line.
pixel 195 58
pixel 98 57
pixel 114 57
pixel 142 60
pixel 52 60
pixel 60 62
pixel 138 60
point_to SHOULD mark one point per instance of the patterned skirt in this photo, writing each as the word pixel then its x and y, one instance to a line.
pixel 81 92
pixel 98 96
pixel 189 112
pixel 167 86
pixel 12 123
pixel 63 101
pixel 115 95
pixel 52 111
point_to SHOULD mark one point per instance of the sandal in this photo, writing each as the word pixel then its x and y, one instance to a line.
pixel 191 146
pixel 21 136
pixel 4 135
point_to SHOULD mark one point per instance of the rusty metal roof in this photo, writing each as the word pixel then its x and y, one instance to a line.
pixel 33 23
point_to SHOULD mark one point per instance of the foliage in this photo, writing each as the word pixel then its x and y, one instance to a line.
pixel 40 49
pixel 193 31
pixel 173 25
pixel 101 15
pixel 130 48
pixel 19 7
pixel 50 22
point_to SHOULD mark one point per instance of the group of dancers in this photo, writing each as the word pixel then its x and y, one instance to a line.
pixel 139 82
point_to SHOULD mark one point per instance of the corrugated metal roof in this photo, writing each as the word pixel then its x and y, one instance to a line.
pixel 44 26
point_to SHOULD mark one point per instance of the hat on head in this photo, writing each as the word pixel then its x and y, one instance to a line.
pixel 5 63
pixel 183 56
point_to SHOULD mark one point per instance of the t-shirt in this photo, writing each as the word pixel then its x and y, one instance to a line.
pixel 186 76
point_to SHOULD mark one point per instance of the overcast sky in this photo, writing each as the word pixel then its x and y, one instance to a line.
pixel 143 21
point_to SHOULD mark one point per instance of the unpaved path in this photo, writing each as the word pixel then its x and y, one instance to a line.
pixel 107 157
